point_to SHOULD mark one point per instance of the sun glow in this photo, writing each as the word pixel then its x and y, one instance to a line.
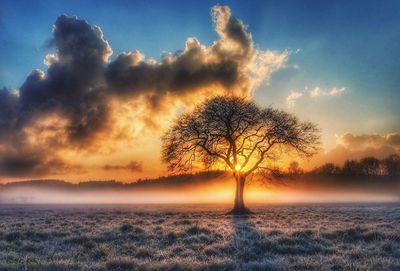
pixel 238 167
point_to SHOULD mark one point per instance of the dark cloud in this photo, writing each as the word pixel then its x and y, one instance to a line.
pixel 31 164
pixel 133 166
pixel 73 89
pixel 183 73
pixel 8 110
pixel 231 29
pixel 73 85
pixel 231 63
pixel 69 105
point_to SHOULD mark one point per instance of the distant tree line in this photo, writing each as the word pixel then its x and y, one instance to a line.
pixel 365 167
pixel 173 181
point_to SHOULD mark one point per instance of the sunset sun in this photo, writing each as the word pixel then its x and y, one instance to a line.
pixel 237 167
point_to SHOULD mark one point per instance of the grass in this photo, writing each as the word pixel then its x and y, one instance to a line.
pixel 307 237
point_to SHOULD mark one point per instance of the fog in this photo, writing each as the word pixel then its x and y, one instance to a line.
pixel 216 192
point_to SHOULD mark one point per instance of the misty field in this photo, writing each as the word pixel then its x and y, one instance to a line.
pixel 306 237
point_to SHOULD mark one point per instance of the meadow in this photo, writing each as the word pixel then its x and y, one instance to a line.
pixel 199 237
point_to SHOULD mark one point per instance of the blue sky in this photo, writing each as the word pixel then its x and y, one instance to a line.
pixel 351 44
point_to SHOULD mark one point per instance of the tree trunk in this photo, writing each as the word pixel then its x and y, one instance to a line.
pixel 239 207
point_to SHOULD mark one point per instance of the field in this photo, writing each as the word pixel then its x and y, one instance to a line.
pixel 153 237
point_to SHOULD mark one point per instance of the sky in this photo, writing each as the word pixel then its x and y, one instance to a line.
pixel 334 63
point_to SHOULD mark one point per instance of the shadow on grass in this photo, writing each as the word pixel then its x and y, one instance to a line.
pixel 250 248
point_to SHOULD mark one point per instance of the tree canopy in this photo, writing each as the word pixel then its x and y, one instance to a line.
pixel 236 132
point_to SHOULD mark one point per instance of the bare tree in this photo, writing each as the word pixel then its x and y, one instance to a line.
pixel 370 166
pixel 294 169
pixel 392 165
pixel 235 133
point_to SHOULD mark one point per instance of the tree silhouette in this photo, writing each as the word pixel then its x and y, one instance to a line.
pixel 328 169
pixel 392 165
pixel 235 133
pixel 351 168
pixel 294 169
pixel 370 166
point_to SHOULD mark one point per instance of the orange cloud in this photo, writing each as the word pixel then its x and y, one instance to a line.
pixel 85 110
pixel 353 147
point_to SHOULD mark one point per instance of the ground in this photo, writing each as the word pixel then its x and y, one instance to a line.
pixel 302 237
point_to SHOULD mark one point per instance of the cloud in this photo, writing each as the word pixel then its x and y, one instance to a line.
pixel 351 146
pixel 359 142
pixel 230 64
pixel 318 92
pixel 81 102
pixel 74 84
pixel 32 163
pixel 8 109
pixel 292 98
pixel 314 93
pixel 133 166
